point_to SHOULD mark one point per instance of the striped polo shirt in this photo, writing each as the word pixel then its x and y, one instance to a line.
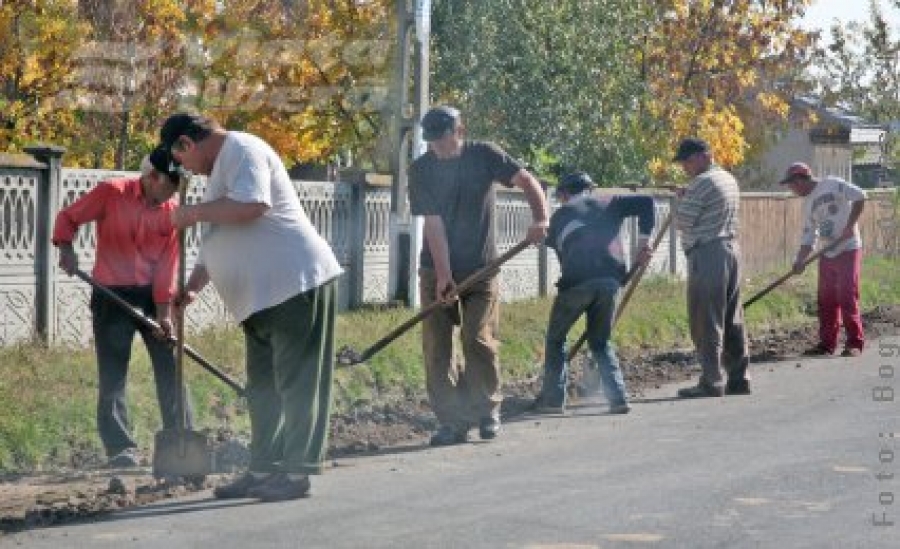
pixel 709 209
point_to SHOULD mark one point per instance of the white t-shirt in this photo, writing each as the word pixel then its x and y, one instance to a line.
pixel 826 211
pixel 275 257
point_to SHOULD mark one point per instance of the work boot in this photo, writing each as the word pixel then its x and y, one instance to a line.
pixel 446 436
pixel 240 487
pixel 126 459
pixel 701 390
pixel 542 405
pixel 741 387
pixel 281 487
pixel 818 350
pixel 488 427
pixel 622 408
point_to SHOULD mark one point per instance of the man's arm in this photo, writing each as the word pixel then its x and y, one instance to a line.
pixel 84 210
pixel 855 211
pixel 689 207
pixel 219 211
pixel 436 240
pixel 534 194
pixel 644 209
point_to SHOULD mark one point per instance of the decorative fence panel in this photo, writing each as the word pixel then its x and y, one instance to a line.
pixel 19 196
pixel 38 299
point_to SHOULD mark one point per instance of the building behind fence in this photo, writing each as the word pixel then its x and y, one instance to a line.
pixel 38 300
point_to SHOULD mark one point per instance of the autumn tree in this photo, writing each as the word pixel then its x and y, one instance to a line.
pixel 309 77
pixel 98 76
pixel 36 53
pixel 720 69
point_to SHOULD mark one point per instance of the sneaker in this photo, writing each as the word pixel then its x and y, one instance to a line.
pixel 488 427
pixel 240 487
pixel 818 350
pixel 737 388
pixel 541 406
pixel 280 487
pixel 446 436
pixel 623 408
pixel 851 352
pixel 701 390
pixel 126 459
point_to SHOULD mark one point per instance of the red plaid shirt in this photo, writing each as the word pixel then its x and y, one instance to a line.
pixel 136 242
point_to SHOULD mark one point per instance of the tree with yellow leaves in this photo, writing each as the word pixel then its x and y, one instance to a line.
pixel 718 69
pixel 98 76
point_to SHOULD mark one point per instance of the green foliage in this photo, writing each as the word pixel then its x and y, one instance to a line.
pixel 544 76
pixel 859 69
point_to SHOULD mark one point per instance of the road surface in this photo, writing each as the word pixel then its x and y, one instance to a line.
pixel 808 460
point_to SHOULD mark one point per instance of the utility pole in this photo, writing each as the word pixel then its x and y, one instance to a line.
pixel 410 100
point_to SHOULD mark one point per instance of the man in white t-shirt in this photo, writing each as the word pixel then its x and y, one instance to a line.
pixel 831 209
pixel 277 277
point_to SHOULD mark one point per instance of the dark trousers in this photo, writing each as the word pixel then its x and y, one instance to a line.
pixel 715 312
pixel 114 333
pixel 290 369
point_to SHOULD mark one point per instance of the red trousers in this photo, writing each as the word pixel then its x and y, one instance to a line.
pixel 839 300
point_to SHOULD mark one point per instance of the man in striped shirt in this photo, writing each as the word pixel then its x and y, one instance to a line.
pixel 707 216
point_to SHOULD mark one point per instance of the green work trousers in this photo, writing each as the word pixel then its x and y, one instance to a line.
pixel 462 393
pixel 290 366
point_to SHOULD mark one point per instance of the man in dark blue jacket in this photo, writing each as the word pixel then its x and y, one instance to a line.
pixel 584 231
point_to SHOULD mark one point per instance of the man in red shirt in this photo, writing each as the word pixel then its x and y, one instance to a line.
pixel 137 257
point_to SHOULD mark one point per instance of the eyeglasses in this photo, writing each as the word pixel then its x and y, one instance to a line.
pixel 179 145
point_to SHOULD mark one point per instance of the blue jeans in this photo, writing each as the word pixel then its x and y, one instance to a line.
pixel 596 299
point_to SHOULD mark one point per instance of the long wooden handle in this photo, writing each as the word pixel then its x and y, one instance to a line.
pixel 631 280
pixel 153 325
pixel 466 284
pixel 783 278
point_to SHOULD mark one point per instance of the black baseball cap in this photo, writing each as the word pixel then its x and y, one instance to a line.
pixel 438 121
pixel 162 161
pixel 689 147
pixel 574 183
pixel 194 126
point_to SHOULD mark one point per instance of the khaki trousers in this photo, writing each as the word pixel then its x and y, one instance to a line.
pixel 715 312
pixel 462 393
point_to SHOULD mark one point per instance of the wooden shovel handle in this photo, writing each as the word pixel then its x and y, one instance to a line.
pixel 783 278
pixel 466 284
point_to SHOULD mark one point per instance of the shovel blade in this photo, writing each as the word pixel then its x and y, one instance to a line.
pixel 181 453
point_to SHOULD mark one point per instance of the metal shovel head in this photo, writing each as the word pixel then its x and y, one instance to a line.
pixel 181 453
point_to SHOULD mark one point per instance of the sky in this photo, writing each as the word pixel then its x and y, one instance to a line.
pixel 822 13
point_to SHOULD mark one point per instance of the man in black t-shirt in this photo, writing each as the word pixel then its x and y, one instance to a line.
pixel 452 187
pixel 584 231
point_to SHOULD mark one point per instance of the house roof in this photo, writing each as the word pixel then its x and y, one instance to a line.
pixel 860 132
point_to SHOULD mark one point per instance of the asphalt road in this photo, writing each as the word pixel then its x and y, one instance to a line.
pixel 806 461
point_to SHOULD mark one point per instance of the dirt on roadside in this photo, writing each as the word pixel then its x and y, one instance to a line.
pixel 39 500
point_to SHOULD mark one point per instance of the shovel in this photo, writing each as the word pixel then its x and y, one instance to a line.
pixel 781 280
pixel 152 325
pixel 348 357
pixel 179 451
pixel 631 279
